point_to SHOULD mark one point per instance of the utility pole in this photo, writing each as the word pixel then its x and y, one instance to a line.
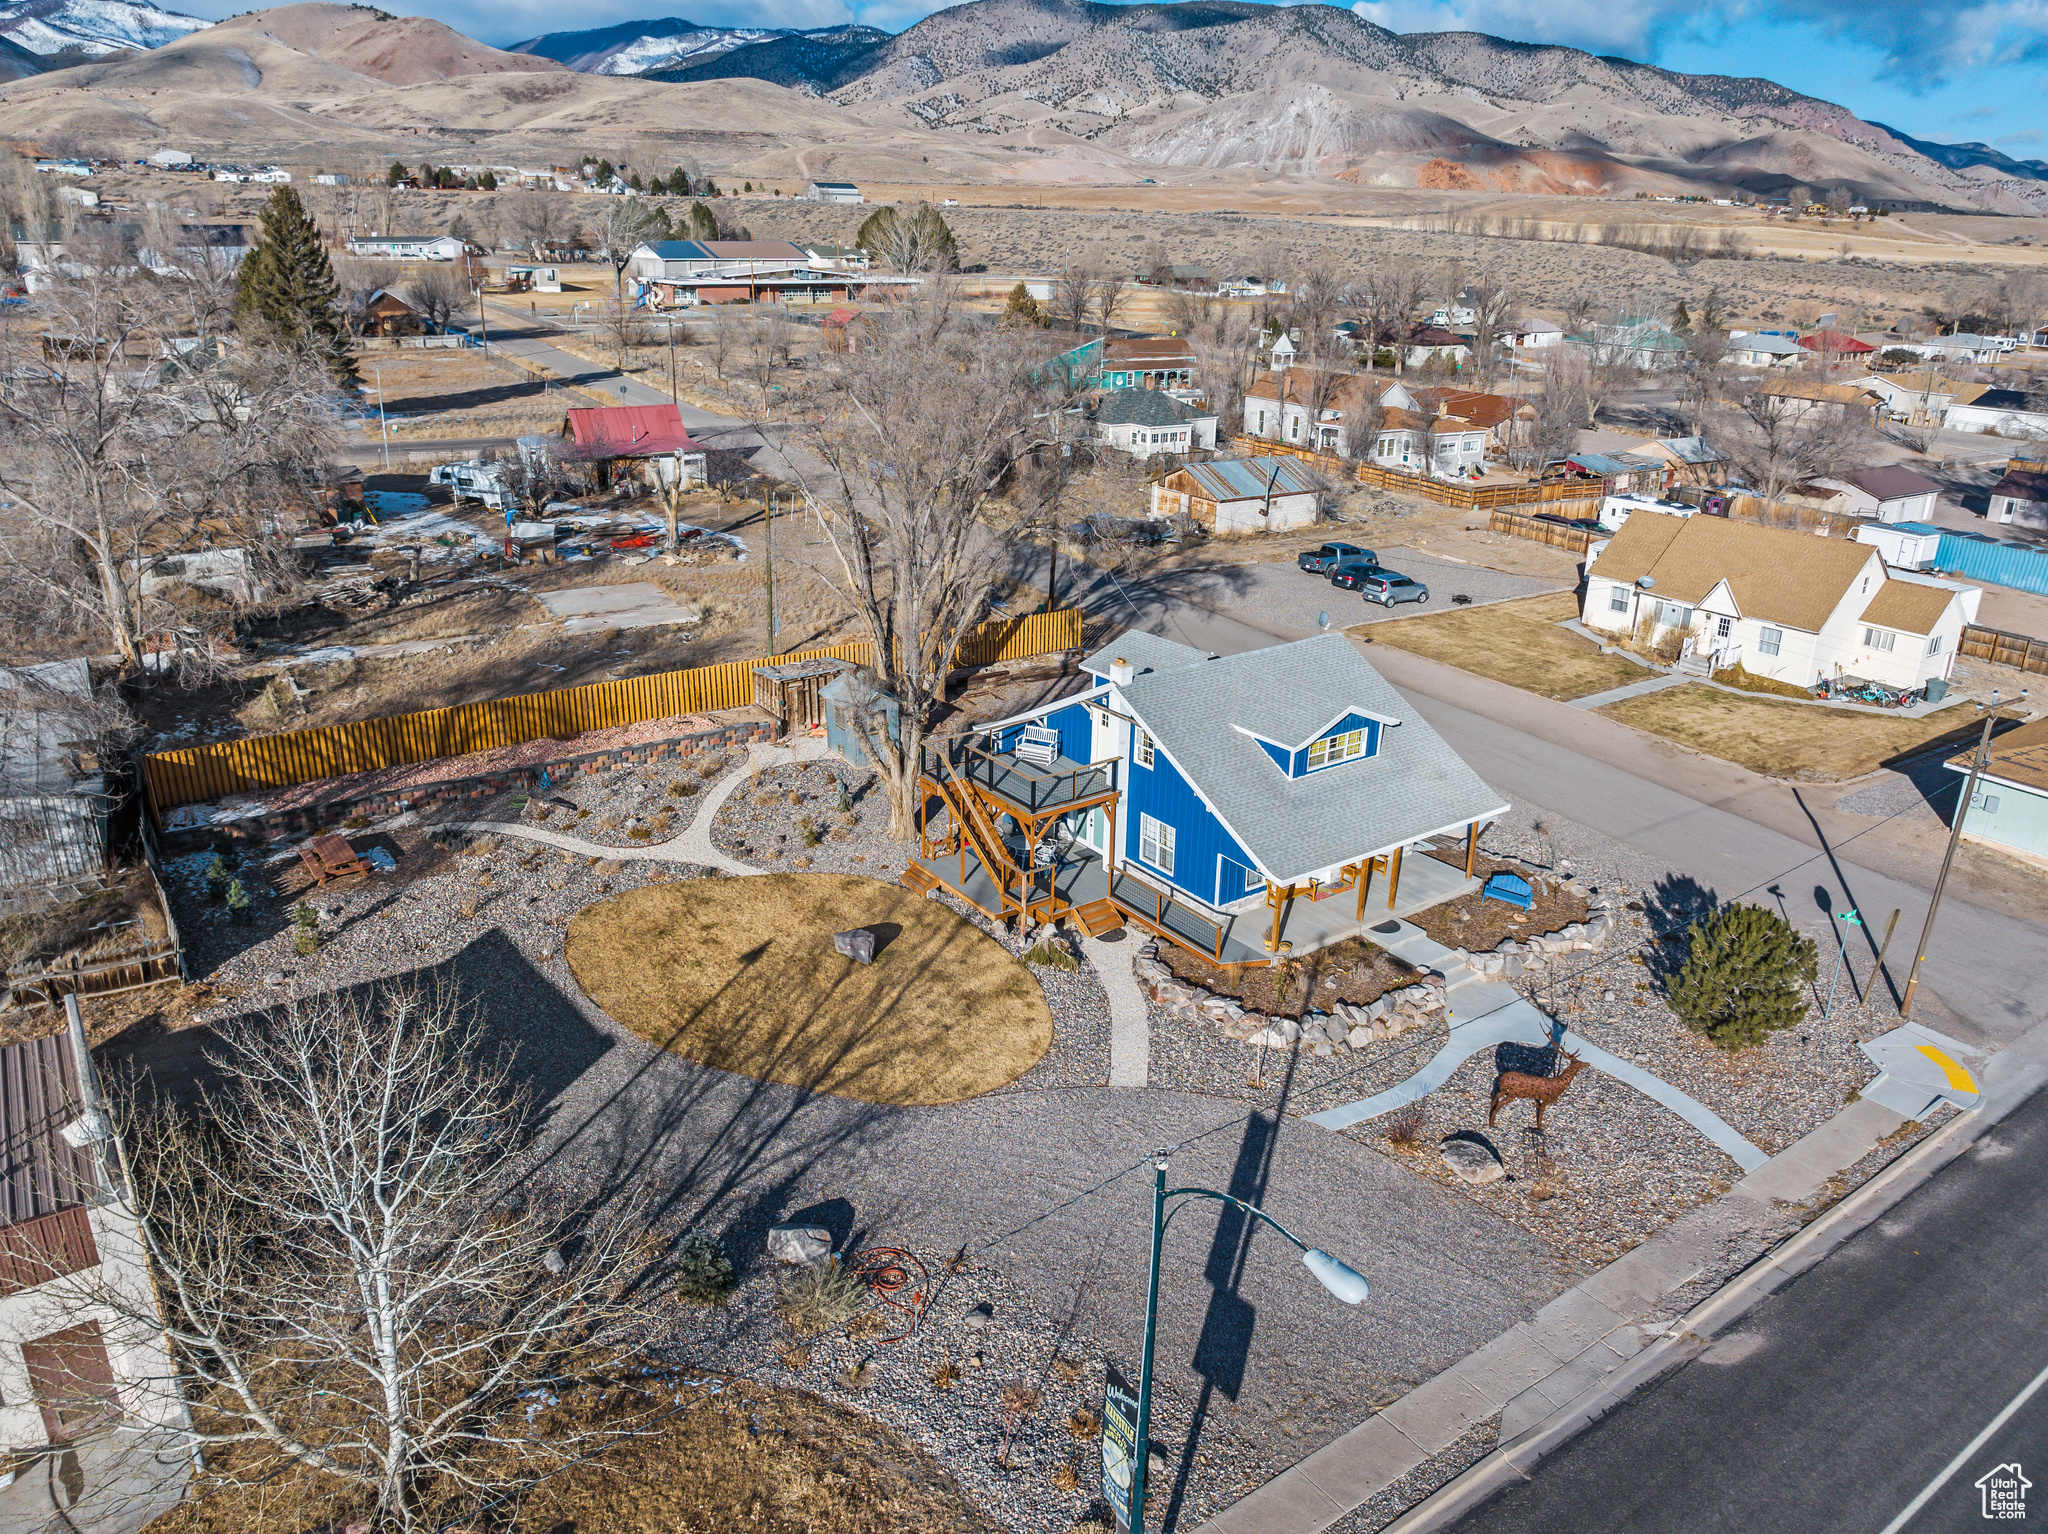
pixel 768 500
pixel 672 393
pixel 1978 760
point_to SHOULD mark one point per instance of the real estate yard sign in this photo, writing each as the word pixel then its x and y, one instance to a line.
pixel 1119 1446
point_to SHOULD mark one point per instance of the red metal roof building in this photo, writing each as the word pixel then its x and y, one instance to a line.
pixel 629 431
pixel 1837 343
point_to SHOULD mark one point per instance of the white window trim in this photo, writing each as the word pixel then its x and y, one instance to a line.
pixel 1617 599
pixel 1156 835
pixel 1352 743
pixel 1142 750
pixel 1881 640
pixel 1770 641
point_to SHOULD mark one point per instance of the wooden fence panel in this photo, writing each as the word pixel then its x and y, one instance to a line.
pixel 2021 651
pixel 1464 497
pixel 1519 525
pixel 196 774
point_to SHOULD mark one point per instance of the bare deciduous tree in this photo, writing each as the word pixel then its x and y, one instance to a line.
pixel 345 1286
pixel 1108 298
pixel 1492 302
pixel 928 418
pixel 1387 297
pixel 1777 442
pixel 122 440
pixel 439 293
pixel 1073 295
pixel 539 219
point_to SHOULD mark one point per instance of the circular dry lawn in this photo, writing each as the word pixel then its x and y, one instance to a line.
pixel 740 974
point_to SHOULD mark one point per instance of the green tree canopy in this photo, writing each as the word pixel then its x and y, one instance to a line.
pixel 1745 976
pixel 287 289
pixel 396 175
pixel 679 182
pixel 700 223
pixel 1022 309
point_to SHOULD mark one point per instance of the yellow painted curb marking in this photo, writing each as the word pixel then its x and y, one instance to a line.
pixel 1957 1077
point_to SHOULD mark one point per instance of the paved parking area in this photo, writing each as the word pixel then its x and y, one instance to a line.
pixel 1231 608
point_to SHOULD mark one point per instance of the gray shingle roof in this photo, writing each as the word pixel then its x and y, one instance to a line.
pixel 1292 827
pixel 1146 652
pixel 1144 407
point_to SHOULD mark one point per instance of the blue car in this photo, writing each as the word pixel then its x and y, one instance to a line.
pixel 1319 561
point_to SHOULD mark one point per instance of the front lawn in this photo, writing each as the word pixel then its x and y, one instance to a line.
pixel 1801 741
pixel 1517 642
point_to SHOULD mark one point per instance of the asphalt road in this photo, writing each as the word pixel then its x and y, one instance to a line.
pixel 1843 1397
pixel 1734 831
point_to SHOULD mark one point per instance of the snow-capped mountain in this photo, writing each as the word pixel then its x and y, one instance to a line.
pixel 92 27
pixel 633 46
pixel 636 47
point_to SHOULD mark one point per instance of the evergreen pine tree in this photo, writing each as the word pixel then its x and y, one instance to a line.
pixel 679 182
pixel 699 224
pixel 1745 977
pixel 395 175
pixel 1681 318
pixel 287 286
pixel 488 181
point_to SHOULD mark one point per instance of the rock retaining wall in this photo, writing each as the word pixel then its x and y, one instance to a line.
pixel 1350 1026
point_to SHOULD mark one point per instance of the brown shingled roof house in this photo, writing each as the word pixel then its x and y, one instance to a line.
pixel 1785 605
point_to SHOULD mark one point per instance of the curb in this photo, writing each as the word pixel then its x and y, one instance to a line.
pixel 1514 1461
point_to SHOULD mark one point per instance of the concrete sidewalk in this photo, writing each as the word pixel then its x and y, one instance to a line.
pixel 1589 1347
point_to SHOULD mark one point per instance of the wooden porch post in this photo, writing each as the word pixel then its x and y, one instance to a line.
pixel 1471 845
pixel 1363 873
pixel 1030 868
pixel 1394 877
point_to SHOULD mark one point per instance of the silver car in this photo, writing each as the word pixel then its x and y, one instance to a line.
pixel 1390 590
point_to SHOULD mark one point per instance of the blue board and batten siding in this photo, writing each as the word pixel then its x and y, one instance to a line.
pixel 1295 763
pixel 1072 722
pixel 1200 842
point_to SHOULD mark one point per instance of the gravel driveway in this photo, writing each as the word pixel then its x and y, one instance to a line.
pixel 1278 601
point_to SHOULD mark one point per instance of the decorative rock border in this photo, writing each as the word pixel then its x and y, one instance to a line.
pixel 1348 1025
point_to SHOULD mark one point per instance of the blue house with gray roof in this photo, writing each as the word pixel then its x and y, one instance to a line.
pixel 1243 806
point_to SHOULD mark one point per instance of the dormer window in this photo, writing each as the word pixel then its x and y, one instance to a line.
pixel 1332 749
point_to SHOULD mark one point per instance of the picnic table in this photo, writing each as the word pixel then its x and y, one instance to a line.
pixel 330 857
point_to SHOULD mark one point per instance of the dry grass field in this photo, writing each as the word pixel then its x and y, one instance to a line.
pixel 740 974
pixel 1782 739
pixel 1515 642
pixel 767 1460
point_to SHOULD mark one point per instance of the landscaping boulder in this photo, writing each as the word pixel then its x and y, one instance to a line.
pixel 799 1245
pixel 1333 1029
pixel 1472 1162
pixel 857 944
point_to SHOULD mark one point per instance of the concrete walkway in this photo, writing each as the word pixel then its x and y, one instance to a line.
pixel 1130 1026
pixel 1485 1013
pixel 1632 690
pixel 693 844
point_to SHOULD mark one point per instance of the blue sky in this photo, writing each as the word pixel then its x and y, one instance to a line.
pixel 1972 69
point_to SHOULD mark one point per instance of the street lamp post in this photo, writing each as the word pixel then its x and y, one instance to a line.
pixel 1339 1278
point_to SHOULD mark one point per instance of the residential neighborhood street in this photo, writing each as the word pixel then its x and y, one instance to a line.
pixel 1843 1398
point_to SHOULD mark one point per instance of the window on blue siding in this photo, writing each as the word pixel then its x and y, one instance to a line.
pixel 1332 749
pixel 1155 843
pixel 1144 749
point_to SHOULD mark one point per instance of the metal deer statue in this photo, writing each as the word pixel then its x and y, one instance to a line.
pixel 1542 1090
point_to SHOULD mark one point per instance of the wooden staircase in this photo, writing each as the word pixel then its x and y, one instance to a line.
pixel 1097 917
pixel 919 878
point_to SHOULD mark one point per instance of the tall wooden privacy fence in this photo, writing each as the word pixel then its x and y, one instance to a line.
pixel 1465 497
pixel 1519 525
pixel 2021 650
pixel 199 773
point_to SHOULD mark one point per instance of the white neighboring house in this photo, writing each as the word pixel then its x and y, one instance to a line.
pixel 1533 335
pixel 1277 406
pixel 2007 412
pixel 1142 422
pixel 1888 492
pixel 832 191
pixel 1785 605
pixel 409 247
pixel 1961 347
pixel 330 178
pixel 74 1374
pixel 1753 349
